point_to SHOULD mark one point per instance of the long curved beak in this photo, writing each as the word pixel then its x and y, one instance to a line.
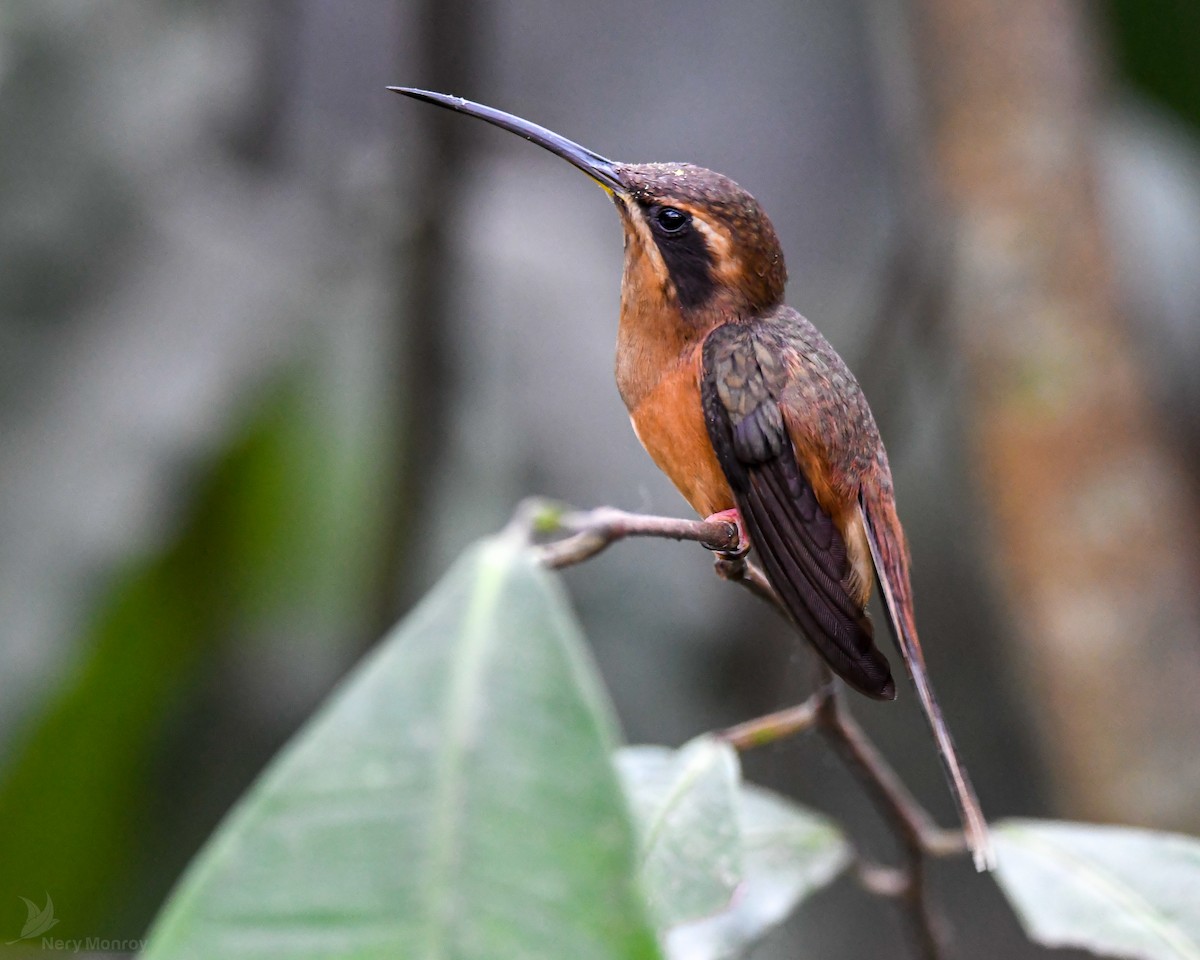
pixel 600 169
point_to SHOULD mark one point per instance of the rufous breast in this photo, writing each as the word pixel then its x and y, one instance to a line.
pixel 669 422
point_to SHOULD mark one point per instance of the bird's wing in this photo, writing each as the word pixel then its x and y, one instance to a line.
pixel 890 556
pixel 800 546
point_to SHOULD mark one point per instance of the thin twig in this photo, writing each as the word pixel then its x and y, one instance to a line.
pixel 591 531
pixel 919 838
pixel 745 572
pixel 774 726
pixel 909 822
pixel 827 712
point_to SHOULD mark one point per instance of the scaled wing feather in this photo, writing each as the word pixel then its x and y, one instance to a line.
pixel 800 547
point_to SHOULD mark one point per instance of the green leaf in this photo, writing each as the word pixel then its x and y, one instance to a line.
pixel 1114 890
pixel 685 804
pixel 750 870
pixel 454 799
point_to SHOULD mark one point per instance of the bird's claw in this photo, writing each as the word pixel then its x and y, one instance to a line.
pixel 743 542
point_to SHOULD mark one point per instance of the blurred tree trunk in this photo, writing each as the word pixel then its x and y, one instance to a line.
pixel 1088 522
pixel 446 54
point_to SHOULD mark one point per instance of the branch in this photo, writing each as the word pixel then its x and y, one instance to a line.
pixel 910 823
pixel 826 711
pixel 592 531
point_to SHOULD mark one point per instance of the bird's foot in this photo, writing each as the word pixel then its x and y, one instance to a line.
pixel 743 542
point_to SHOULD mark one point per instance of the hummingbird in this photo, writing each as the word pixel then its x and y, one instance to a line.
pixel 755 418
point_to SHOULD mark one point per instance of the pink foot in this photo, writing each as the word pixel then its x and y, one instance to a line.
pixel 732 516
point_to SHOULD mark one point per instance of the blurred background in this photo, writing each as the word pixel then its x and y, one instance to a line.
pixel 275 345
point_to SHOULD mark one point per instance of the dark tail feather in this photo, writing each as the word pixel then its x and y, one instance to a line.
pixel 891 569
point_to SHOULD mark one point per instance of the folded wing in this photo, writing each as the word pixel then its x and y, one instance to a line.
pixel 800 547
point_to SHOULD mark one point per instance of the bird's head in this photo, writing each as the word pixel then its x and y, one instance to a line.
pixel 695 241
pixel 696 238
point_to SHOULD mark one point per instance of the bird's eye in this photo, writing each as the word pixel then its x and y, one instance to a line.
pixel 669 220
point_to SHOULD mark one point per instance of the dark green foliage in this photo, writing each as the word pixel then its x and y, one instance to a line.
pixel 1157 43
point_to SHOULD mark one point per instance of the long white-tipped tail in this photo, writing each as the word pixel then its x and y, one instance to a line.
pixel 890 557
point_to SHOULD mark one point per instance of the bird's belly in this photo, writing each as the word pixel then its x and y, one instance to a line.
pixel 669 422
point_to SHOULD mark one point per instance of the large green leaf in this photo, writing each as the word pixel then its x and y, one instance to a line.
pixel 723 862
pixel 1114 890
pixel 455 799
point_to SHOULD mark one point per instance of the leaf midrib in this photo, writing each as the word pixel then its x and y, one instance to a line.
pixel 459 722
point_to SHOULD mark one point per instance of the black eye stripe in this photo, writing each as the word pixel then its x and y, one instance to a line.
pixel 685 253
